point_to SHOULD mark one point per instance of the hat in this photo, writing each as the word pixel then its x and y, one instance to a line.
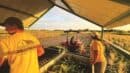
pixel 12 20
pixel 95 35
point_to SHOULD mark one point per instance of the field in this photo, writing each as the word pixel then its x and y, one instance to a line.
pixel 117 61
pixel 120 40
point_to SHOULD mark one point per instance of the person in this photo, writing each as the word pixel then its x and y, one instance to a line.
pixel 70 44
pixel 21 49
pixel 97 54
pixel 74 45
pixel 80 46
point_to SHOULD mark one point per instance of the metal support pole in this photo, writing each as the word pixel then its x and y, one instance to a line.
pixel 67 38
pixel 102 33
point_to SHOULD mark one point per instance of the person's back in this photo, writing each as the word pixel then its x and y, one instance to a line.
pixel 97 45
pixel 97 55
pixel 23 62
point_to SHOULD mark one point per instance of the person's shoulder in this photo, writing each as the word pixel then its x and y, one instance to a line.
pixel 100 43
pixel 30 36
pixel 96 42
pixel 27 34
pixel 4 40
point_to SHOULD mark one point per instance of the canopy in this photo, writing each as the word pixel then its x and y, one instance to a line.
pixel 106 13
pixel 27 10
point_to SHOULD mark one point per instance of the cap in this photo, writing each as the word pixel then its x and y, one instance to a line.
pixel 12 20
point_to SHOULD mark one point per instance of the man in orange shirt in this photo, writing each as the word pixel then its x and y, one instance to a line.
pixel 21 49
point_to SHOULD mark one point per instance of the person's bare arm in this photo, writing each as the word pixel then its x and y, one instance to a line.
pixel 95 54
pixel 1 61
pixel 40 50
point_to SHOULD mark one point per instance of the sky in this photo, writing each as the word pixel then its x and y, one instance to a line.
pixel 124 27
pixel 59 19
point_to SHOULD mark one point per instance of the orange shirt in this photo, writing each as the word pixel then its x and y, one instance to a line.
pixel 99 48
pixel 24 62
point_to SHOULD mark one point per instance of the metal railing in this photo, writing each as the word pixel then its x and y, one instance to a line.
pixel 120 49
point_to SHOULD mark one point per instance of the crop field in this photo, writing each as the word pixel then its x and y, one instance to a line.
pixel 116 61
pixel 120 40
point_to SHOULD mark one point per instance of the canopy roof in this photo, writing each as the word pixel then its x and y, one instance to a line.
pixel 27 10
pixel 106 13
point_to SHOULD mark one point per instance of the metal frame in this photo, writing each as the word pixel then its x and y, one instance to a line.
pixel 41 16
